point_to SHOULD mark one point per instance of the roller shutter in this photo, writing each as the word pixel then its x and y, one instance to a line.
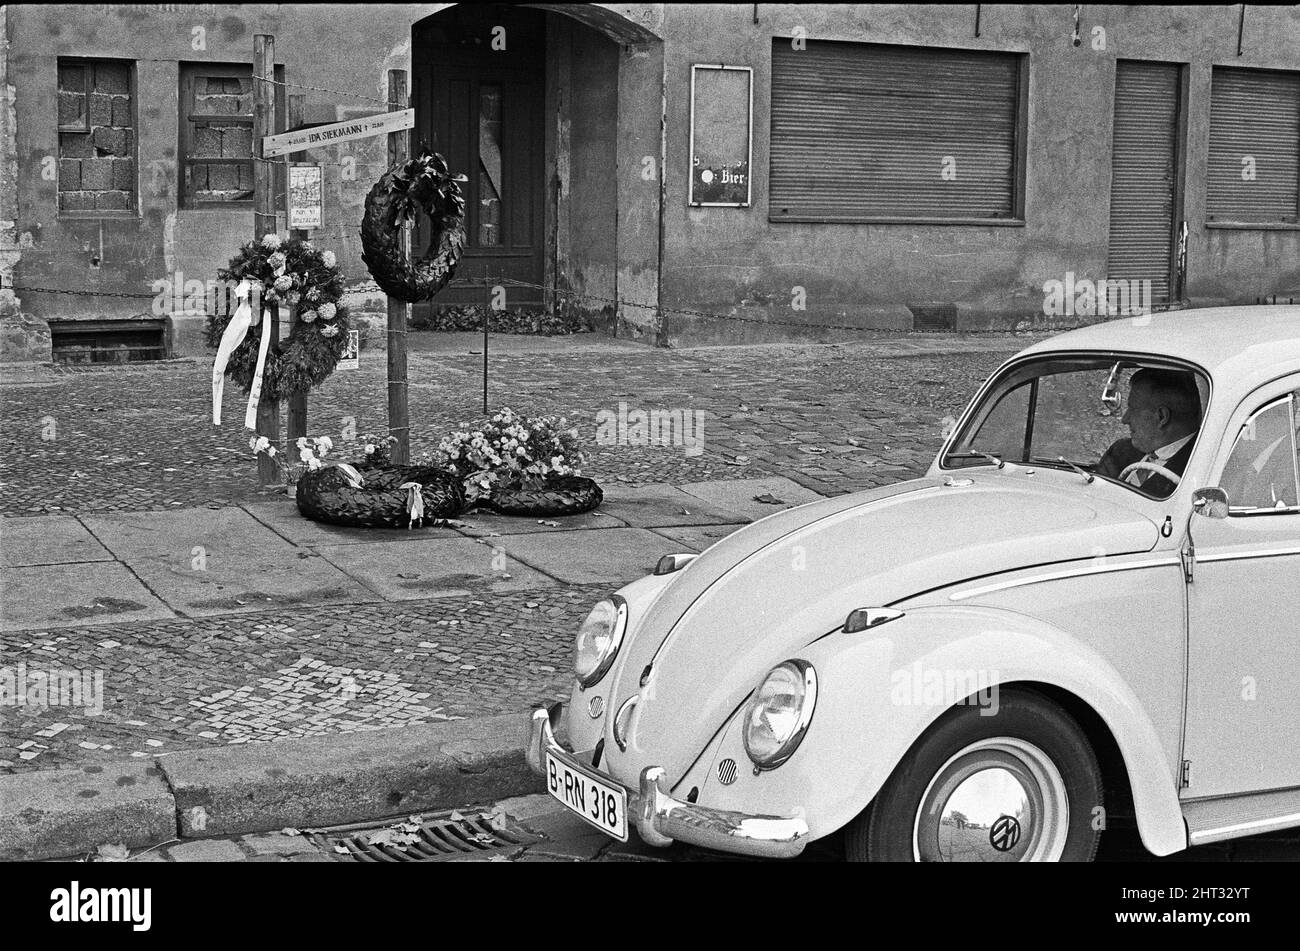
pixel 1143 156
pixel 863 131
pixel 1254 121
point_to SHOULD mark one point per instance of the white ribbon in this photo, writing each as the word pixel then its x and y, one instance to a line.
pixel 351 474
pixel 231 338
pixel 414 502
pixel 255 391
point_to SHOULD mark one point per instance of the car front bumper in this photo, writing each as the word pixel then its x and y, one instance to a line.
pixel 661 819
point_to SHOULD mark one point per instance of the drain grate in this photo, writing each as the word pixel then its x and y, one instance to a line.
pixel 435 840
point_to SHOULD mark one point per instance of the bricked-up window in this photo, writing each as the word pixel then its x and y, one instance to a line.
pixel 97 168
pixel 216 135
pixel 1253 172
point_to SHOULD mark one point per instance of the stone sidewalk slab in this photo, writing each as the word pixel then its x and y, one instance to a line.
pixel 70 811
pixel 64 595
pixel 697 537
pixel 614 555
pixel 738 495
pixel 47 540
pixel 656 506
pixel 433 568
pixel 283 518
pixel 487 524
pixel 219 561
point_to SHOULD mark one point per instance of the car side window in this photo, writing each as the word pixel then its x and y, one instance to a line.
pixel 1263 471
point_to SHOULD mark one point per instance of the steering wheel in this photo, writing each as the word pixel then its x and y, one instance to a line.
pixel 1153 467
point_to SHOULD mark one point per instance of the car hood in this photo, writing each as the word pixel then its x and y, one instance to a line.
pixel 759 595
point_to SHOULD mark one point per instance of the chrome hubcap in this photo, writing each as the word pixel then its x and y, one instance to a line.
pixel 998 800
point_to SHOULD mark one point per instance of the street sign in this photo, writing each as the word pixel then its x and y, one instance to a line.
pixel 366 126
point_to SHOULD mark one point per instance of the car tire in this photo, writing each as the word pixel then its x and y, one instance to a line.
pixel 1022 784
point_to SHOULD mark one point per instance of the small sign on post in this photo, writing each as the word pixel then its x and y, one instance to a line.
pixel 351 359
pixel 306 197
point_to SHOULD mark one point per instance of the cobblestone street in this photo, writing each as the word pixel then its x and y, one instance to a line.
pixel 834 418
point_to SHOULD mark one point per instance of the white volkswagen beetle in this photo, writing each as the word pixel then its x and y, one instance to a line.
pixel 1088 609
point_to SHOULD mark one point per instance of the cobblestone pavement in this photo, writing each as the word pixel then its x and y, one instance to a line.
pixel 834 418
pixel 553 835
pixel 174 685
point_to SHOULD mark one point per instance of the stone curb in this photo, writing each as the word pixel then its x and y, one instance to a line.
pixel 263 787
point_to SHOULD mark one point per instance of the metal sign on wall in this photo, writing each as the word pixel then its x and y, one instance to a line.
pixel 366 126
pixel 722 126
pixel 306 197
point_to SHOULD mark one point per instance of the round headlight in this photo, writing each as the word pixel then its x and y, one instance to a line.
pixel 598 640
pixel 779 713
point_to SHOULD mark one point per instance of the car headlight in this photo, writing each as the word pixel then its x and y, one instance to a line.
pixel 598 640
pixel 778 715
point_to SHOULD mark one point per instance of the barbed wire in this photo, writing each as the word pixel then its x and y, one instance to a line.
pixel 333 92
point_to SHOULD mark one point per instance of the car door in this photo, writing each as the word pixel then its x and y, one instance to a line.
pixel 1243 690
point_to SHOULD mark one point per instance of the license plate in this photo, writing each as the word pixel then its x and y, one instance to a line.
pixel 602 804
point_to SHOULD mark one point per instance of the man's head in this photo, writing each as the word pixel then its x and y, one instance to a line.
pixel 1163 407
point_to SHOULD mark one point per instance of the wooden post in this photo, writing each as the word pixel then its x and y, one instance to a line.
pixel 268 412
pixel 297 422
pixel 399 423
pixel 487 312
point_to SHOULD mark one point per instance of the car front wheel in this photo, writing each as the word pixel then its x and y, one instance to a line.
pixel 1021 785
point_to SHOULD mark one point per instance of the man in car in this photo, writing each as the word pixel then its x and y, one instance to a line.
pixel 1163 415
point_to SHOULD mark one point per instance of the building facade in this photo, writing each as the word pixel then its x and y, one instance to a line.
pixel 682 173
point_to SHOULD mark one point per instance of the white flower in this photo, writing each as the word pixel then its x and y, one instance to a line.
pixel 307 316
pixel 306 454
pixel 270 451
pixel 329 259
pixel 301 443
pixel 326 311
pixel 329 330
pixel 261 444
pixel 313 464
pixel 283 283
pixel 277 259
pixel 556 461
pixel 271 241
pixel 370 447
pixel 324 444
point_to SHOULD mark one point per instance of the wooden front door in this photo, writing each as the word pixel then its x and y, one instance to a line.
pixel 479 93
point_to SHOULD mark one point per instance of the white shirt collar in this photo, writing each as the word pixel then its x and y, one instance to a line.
pixel 1171 450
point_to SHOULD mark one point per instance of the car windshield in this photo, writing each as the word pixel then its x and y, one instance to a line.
pixel 1131 421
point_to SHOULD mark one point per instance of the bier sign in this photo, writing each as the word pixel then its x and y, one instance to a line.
pixel 315 137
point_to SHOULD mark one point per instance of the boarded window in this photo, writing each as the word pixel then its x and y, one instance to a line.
pixel 1254 159
pixel 864 132
pixel 96 116
pixel 216 134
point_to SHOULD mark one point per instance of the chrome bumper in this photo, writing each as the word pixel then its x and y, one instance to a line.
pixel 660 819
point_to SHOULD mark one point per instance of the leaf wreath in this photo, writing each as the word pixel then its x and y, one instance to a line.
pixel 309 355
pixel 422 184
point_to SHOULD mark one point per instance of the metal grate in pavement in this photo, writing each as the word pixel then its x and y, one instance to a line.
pixel 430 841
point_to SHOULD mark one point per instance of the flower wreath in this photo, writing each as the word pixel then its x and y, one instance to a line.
pixel 294 273
pixel 424 183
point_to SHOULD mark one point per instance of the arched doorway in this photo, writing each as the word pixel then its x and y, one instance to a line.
pixel 544 109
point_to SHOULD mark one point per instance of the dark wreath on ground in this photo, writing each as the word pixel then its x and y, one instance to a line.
pixel 424 184
pixel 295 274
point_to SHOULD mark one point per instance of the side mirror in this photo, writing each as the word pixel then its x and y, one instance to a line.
pixel 1211 502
